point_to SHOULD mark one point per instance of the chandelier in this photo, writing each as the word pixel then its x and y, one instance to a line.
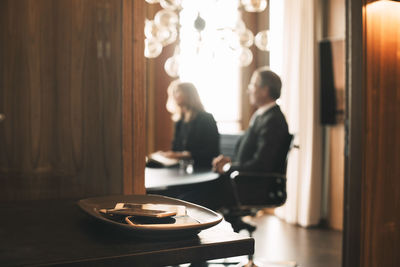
pixel 165 28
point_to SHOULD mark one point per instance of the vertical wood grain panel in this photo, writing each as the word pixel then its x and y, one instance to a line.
pixel 60 88
pixel 381 183
pixel 336 142
pixel 134 115
pixel 252 21
pixel 164 125
pixel 336 173
pixel 139 97
pixel 333 29
pixel 157 81
pixel 127 96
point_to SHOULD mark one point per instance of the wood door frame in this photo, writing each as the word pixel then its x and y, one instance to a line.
pixel 133 97
pixel 353 134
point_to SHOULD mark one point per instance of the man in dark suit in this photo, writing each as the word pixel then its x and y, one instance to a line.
pixel 261 146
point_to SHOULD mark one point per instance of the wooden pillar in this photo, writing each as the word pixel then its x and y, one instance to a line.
pixel 372 188
pixel 134 104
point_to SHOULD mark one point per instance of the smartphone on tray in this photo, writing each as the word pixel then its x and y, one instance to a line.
pixel 138 210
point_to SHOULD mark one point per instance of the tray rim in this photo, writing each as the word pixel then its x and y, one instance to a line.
pixel 88 205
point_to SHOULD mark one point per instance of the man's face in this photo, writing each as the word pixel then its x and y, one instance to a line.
pixel 258 96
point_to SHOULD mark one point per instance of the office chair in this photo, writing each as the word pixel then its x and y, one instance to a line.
pixel 254 191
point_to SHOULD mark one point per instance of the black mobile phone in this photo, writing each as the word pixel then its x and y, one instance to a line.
pixel 138 210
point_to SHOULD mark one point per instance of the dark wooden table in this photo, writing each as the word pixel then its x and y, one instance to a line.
pixel 59 233
pixel 163 178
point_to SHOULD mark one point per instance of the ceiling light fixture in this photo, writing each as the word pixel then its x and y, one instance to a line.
pixel 164 30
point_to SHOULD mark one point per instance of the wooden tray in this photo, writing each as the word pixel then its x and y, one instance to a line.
pixel 200 217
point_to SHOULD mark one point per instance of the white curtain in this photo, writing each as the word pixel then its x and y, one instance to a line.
pixel 297 51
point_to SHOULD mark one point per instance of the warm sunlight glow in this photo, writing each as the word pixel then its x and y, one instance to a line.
pixel 383 34
pixel 276 35
pixel 206 61
pixel 383 7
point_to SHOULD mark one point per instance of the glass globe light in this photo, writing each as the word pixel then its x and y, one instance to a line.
pixel 170 4
pixel 154 31
pixel 152 48
pixel 245 56
pixel 152 1
pixel 240 25
pixel 171 66
pixel 261 40
pixel 254 5
pixel 233 40
pixel 246 38
pixel 172 36
pixel 166 18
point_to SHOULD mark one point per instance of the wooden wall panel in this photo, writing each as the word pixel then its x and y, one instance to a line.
pixel 336 142
pixel 60 88
pixel 134 106
pixel 381 172
pixel 334 30
pixel 164 127
pixel 160 127
pixel 336 174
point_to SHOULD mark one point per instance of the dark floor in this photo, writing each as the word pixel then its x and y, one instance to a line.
pixel 277 241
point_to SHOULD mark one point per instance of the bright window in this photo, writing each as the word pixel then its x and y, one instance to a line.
pixel 206 61
pixel 276 35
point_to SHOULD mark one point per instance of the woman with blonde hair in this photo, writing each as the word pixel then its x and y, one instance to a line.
pixel 196 134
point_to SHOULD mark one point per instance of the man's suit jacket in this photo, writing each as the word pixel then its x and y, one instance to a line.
pixel 264 145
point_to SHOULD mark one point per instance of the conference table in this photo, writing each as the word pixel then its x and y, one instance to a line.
pixel 166 178
pixel 59 233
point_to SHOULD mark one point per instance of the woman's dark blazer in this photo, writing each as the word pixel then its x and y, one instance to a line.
pixel 202 139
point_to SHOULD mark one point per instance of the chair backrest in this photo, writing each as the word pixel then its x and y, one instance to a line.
pixel 253 191
pixel 264 189
pixel 284 155
pixel 227 144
